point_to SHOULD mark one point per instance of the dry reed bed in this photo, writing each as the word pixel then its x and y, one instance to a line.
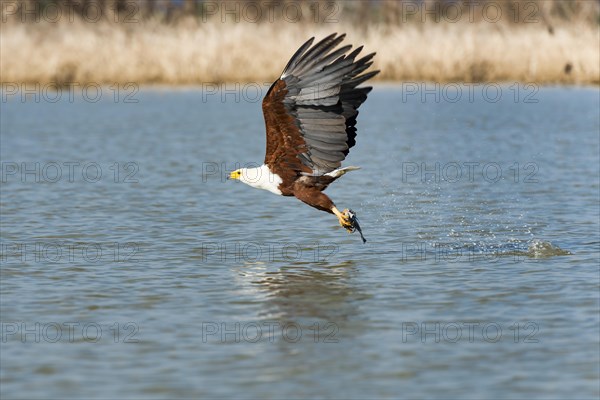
pixel 190 53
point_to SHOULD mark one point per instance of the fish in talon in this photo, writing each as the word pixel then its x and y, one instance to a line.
pixel 355 226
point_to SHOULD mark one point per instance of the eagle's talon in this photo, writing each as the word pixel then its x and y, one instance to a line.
pixel 349 221
pixel 346 221
pixel 347 226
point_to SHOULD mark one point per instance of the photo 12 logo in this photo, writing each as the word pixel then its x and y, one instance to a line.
pixel 469 171
pixel 269 331
pixel 457 252
pixel 326 12
pixel 490 92
pixel 470 332
pixel 68 332
pixel 122 11
pixel 53 92
pixel 526 12
pixel 69 252
pixel 68 171
pixel 267 251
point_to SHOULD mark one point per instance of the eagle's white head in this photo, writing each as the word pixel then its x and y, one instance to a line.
pixel 259 177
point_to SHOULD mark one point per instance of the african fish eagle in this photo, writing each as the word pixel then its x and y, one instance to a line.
pixel 310 116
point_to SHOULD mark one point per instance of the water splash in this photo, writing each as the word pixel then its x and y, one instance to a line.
pixel 541 249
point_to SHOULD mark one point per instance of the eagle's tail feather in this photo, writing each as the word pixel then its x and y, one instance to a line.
pixel 341 171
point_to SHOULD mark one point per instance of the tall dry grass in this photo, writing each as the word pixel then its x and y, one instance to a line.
pixel 192 51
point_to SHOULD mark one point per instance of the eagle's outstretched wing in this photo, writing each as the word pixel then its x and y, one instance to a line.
pixel 310 111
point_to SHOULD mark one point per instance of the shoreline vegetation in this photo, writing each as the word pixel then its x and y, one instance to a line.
pixel 191 42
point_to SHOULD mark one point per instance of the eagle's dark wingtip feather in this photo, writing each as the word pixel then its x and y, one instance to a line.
pixel 298 55
pixel 312 57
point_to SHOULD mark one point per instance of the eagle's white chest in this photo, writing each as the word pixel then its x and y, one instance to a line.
pixel 261 178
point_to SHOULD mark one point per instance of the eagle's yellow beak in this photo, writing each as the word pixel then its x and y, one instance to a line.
pixel 234 174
